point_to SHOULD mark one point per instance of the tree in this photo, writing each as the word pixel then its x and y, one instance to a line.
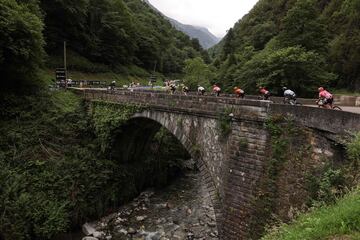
pixel 21 44
pixel 294 67
pixel 302 26
pixel 197 73
pixel 229 43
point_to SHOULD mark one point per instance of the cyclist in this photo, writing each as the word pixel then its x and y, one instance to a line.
pixel 289 96
pixel 185 89
pixel 239 92
pixel 216 90
pixel 172 87
pixel 201 90
pixel 264 93
pixel 112 85
pixel 326 98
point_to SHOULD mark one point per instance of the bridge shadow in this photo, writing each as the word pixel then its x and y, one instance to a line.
pixel 134 141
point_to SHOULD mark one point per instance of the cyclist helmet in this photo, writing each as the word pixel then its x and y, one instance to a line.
pixel 284 88
pixel 320 89
pixel 235 88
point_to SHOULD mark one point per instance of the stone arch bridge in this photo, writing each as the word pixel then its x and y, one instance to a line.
pixel 232 167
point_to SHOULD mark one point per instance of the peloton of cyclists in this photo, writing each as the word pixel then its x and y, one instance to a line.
pixel 325 97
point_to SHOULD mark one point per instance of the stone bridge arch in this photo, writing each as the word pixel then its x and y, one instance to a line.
pixel 197 134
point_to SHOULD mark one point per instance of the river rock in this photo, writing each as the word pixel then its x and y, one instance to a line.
pixel 99 235
pixel 152 235
pixel 90 238
pixel 140 218
pixel 211 224
pixel 131 231
pixel 123 231
pixel 88 229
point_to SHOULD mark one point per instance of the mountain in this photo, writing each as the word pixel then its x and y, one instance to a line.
pixel 205 37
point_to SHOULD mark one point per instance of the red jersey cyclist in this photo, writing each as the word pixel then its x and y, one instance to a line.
pixel 264 93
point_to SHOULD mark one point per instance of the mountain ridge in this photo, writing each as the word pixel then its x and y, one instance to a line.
pixel 205 37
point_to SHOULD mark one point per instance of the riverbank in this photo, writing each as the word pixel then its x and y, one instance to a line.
pixel 182 210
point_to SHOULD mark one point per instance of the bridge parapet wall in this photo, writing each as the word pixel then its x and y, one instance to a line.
pixel 331 121
pixel 203 106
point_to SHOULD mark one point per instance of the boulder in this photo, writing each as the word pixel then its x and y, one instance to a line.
pixel 88 229
pixel 99 235
pixel 90 238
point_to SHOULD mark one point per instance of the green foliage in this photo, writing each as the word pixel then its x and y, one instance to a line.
pixel 325 31
pixel 326 188
pixel 243 144
pixel 117 33
pixel 302 27
pixel 53 172
pixel 281 130
pixel 21 43
pixel 353 148
pixel 224 122
pixel 353 152
pixel 197 73
pixel 292 66
pixel 108 118
pixel 327 222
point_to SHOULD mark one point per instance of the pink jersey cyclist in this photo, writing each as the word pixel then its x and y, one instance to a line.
pixel 216 90
pixel 326 96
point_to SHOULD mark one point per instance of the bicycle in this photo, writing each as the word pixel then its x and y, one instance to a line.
pixel 291 101
pixel 320 104
pixel 265 97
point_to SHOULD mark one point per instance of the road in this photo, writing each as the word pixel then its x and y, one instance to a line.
pixel 344 108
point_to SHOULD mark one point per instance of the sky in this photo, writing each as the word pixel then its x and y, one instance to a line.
pixel 216 15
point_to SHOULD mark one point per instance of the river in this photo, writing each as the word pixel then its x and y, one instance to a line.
pixel 183 210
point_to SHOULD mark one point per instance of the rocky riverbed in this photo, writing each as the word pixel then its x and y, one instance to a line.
pixel 181 211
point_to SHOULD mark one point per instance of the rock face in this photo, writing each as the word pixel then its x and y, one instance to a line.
pixel 182 211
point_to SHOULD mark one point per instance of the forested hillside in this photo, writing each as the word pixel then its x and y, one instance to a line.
pixel 54 171
pixel 302 44
pixel 101 35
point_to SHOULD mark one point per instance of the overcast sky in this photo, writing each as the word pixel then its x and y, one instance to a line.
pixel 216 15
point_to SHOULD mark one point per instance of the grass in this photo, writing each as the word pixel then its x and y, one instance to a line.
pixel 339 221
pixel 107 77
pixel 80 68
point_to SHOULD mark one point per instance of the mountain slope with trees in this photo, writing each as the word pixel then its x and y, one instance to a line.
pixel 300 44
pixel 54 172
pixel 106 35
